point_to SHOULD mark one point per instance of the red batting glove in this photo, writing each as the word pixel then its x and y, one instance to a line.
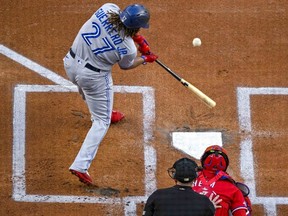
pixel 143 44
pixel 149 58
pixel 144 49
pixel 138 38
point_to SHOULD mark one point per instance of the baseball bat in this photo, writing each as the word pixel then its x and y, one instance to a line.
pixel 204 98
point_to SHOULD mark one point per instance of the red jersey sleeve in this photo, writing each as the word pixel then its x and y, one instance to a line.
pixel 238 204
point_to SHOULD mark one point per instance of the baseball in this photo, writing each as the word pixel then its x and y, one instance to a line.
pixel 196 42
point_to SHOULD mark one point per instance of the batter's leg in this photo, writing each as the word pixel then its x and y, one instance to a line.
pixel 99 98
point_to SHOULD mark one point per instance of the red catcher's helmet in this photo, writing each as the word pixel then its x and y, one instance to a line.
pixel 215 158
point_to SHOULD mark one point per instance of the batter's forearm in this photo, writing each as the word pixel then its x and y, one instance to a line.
pixel 137 61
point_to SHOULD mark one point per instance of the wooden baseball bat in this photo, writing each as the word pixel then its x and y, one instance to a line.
pixel 204 98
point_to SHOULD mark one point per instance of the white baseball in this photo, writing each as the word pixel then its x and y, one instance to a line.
pixel 196 42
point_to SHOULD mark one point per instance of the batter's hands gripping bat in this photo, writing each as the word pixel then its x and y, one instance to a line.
pixel 204 98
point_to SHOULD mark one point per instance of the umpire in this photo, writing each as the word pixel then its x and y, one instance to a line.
pixel 179 200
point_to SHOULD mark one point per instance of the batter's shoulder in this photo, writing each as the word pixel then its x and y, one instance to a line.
pixel 111 7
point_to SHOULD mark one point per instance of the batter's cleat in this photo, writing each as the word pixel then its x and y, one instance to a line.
pixel 83 177
pixel 116 116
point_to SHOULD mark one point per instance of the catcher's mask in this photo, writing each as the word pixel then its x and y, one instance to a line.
pixel 183 170
pixel 135 16
pixel 215 158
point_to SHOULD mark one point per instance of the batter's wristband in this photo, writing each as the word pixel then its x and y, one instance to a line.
pixel 143 57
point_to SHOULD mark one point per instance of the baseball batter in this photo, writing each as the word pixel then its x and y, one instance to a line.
pixel 104 40
pixel 214 179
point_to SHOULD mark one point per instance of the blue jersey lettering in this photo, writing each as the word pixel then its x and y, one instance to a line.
pixel 100 14
pixel 88 36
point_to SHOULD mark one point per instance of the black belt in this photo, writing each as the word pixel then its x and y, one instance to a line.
pixel 89 66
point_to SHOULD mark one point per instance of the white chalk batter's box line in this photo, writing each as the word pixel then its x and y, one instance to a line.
pixel 19 181
pixel 246 152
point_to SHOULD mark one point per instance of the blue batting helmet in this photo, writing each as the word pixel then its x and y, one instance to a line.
pixel 135 16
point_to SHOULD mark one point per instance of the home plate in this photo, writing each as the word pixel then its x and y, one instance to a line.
pixel 195 143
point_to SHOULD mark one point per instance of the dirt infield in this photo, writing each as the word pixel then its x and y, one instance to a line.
pixel 241 64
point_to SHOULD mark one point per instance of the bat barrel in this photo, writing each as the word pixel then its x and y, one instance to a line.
pixel 204 98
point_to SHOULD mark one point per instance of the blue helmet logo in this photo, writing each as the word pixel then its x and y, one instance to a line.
pixel 135 16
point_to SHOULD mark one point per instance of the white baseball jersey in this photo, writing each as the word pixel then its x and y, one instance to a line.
pixel 98 42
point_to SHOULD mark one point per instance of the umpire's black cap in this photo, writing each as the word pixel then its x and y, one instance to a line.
pixel 184 170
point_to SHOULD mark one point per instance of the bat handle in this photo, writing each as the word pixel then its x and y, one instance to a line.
pixel 168 70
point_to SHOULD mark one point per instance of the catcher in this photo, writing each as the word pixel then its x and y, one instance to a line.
pixel 213 179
